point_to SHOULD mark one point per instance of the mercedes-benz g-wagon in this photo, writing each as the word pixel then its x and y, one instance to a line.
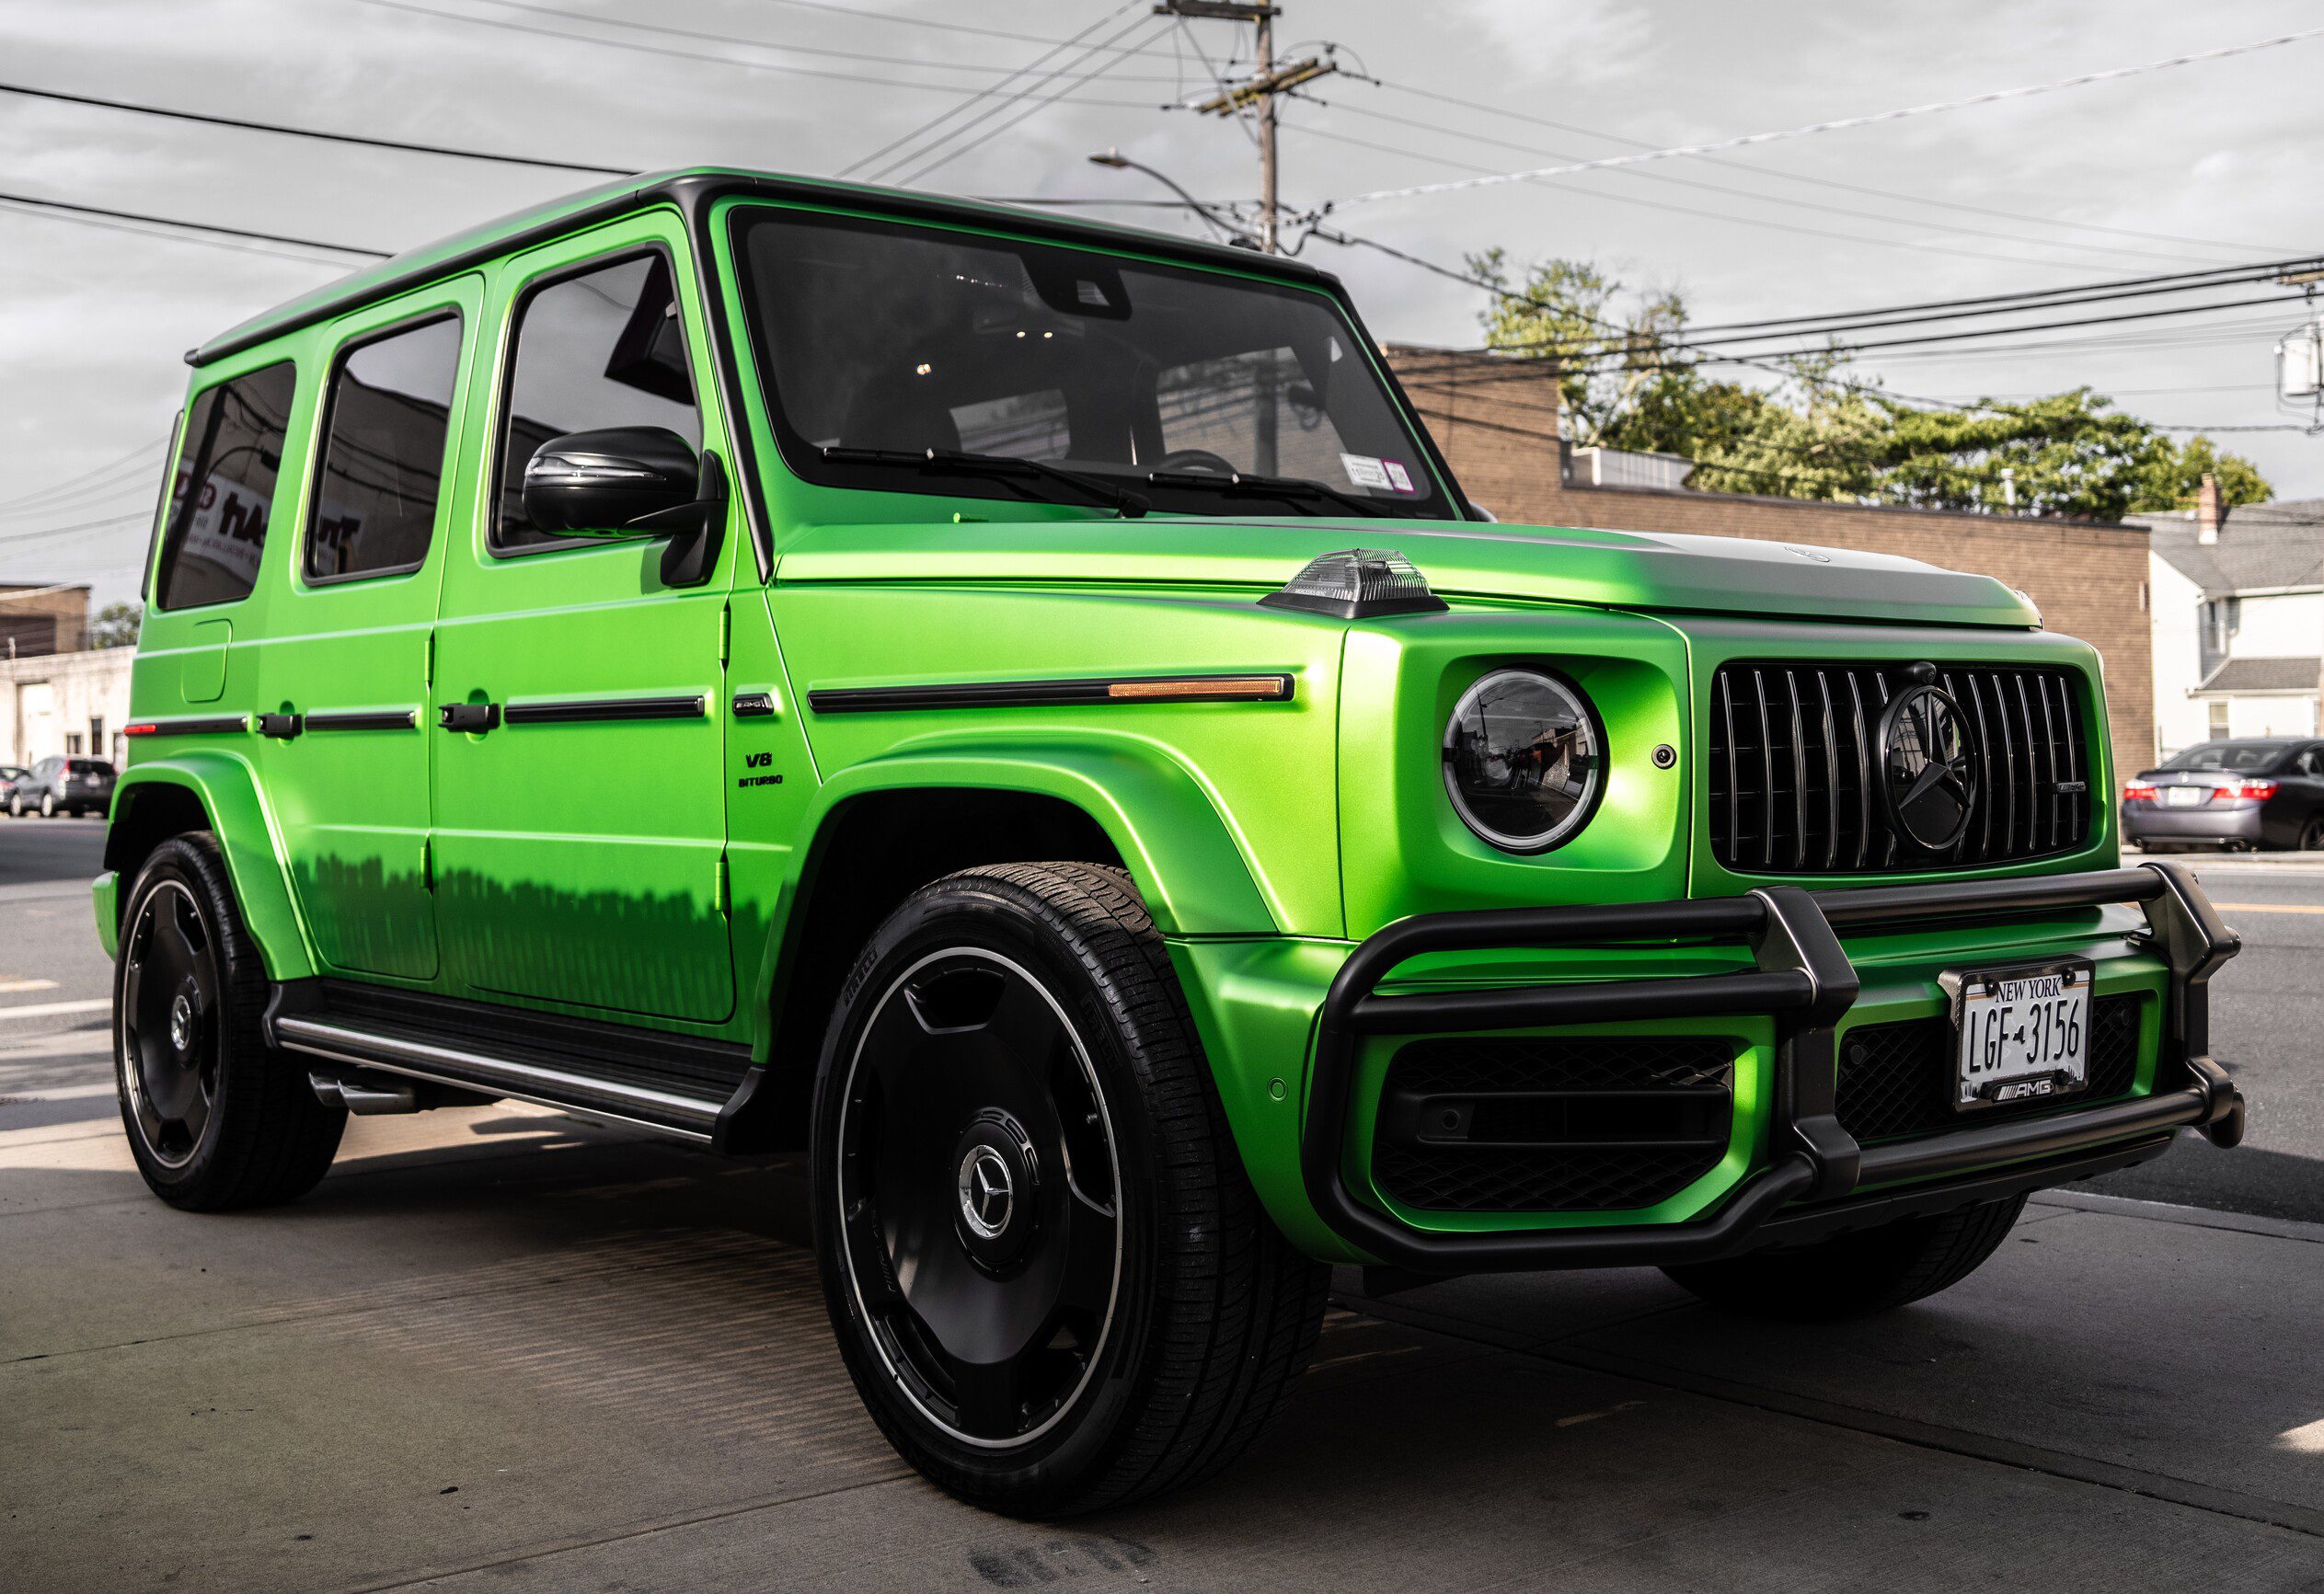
pixel 1021 711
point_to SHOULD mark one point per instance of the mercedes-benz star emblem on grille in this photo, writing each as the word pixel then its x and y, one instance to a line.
pixel 1928 771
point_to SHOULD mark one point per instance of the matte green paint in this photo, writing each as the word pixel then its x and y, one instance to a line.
pixel 647 871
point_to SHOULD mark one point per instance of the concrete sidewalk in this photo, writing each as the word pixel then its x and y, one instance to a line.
pixel 498 1349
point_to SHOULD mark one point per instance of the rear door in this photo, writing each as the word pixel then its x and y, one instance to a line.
pixel 343 679
pixel 580 839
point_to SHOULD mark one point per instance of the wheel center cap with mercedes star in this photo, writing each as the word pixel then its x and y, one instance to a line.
pixel 1020 711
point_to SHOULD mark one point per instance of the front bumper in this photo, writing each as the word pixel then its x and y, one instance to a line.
pixel 2145 822
pixel 1817 1175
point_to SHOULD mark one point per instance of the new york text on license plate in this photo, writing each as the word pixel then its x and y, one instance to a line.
pixel 2023 1034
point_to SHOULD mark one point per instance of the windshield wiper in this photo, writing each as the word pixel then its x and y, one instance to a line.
pixel 1294 489
pixel 1094 488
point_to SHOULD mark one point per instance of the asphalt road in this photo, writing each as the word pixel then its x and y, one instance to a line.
pixel 497 1349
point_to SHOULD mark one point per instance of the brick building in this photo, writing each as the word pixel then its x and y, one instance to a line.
pixel 1496 418
pixel 35 620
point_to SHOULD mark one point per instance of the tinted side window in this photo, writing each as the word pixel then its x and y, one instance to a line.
pixel 602 347
pixel 225 490
pixel 389 416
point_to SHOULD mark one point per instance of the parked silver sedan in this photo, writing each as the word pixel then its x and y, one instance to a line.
pixel 2240 795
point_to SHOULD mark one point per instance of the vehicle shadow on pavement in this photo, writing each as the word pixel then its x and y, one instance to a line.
pixel 502 1345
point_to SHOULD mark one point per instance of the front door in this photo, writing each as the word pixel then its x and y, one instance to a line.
pixel 580 839
pixel 343 679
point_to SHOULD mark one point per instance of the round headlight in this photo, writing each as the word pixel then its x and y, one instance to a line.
pixel 1523 760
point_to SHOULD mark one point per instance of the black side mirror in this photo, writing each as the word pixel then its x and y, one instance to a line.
pixel 632 481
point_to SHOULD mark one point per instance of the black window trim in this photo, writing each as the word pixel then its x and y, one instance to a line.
pixel 161 509
pixel 505 390
pixel 800 458
pixel 322 444
pixel 161 548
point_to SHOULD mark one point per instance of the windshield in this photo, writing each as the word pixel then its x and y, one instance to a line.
pixel 2235 756
pixel 1168 380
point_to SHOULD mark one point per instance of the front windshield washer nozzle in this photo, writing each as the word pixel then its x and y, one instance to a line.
pixel 1357 584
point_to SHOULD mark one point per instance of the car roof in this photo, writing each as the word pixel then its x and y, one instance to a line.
pixel 691 189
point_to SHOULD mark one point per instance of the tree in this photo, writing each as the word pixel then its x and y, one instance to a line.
pixel 1627 381
pixel 117 625
pixel 2168 480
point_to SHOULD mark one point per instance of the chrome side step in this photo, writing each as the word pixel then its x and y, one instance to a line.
pixel 587 1095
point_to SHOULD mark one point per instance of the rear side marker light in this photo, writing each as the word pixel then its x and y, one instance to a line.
pixel 142 728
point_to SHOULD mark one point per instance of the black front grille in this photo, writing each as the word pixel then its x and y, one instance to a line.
pixel 1550 1124
pixel 1794 767
pixel 1897 1079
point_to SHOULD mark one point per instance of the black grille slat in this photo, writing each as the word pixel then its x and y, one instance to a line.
pixel 1793 791
pixel 1896 1079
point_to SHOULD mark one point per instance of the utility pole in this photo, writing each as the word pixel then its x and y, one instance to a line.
pixel 1265 83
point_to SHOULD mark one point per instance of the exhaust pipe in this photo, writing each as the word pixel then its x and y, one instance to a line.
pixel 368 1097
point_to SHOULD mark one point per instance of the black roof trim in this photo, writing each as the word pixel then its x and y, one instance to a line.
pixel 692 192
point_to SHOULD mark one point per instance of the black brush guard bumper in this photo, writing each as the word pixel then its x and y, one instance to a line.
pixel 1806 984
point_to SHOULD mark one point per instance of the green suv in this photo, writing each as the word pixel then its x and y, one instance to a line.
pixel 1020 711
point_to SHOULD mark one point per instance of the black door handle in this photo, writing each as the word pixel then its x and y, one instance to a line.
pixel 281 725
pixel 472 716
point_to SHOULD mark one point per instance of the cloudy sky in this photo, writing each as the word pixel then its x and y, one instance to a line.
pixel 2202 166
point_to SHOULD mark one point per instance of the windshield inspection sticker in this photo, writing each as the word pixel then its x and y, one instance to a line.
pixel 1364 470
pixel 1399 477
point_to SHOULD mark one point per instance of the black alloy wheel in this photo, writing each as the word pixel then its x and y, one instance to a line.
pixel 169 1023
pixel 1050 1279
pixel 2312 834
pixel 216 1118
pixel 982 1196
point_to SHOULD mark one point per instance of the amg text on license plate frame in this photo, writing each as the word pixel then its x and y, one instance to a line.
pixel 2021 1034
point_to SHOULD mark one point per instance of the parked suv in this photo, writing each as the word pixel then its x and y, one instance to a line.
pixel 2258 792
pixel 1117 808
pixel 63 786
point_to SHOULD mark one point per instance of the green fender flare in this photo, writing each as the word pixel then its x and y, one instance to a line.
pixel 1186 863
pixel 224 786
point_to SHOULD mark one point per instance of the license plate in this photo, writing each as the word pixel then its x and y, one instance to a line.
pixel 2184 796
pixel 2024 1034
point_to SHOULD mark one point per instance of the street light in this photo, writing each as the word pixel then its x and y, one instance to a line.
pixel 1224 226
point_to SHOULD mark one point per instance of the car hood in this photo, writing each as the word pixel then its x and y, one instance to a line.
pixel 1656 571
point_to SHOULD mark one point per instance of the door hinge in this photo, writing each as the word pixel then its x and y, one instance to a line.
pixel 722 888
pixel 428 661
pixel 726 633
pixel 427 864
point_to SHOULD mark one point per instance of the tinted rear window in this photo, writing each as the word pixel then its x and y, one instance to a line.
pixel 91 766
pixel 225 490
pixel 2238 755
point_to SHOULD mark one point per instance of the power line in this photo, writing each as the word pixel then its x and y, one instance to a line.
pixel 913 136
pixel 350 138
pixel 1693 211
pixel 1820 182
pixel 109 476
pixel 99 215
pixel 636 47
pixel 1834 125
pixel 668 30
pixel 1039 104
pixel 1733 193
pixel 2031 298
pixel 861 14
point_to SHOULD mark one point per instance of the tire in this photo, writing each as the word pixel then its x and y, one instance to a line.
pixel 48 805
pixel 16 807
pixel 1859 1274
pixel 216 1118
pixel 2312 834
pixel 1148 1345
